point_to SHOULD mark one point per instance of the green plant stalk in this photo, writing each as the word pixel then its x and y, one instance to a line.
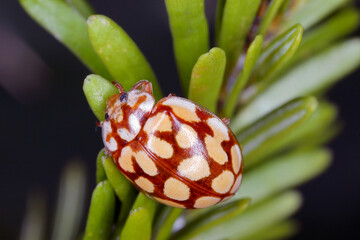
pixel 190 35
pixel 252 55
pixel 139 222
pixel 237 18
pixel 119 53
pixel 34 221
pixel 282 230
pixel 338 26
pixel 70 201
pixel 68 27
pixel 101 213
pixel 124 190
pixel 168 218
pixel 312 12
pixel 100 171
pixel 314 132
pixel 275 58
pixel 219 14
pixel 296 168
pixel 207 77
pixel 316 74
pixel 270 14
pixel 205 222
pixel 259 138
pixel 82 7
pixel 259 216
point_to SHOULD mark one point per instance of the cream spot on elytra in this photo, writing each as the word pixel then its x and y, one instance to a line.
pixel 235 158
pixel 160 147
pixel 112 144
pixel 160 122
pixel 236 184
pixel 134 124
pixel 213 144
pixel 106 129
pixel 176 189
pixel 183 108
pixel 186 137
pixel 125 134
pixel 194 168
pixel 125 161
pixel 219 128
pixel 170 203
pixel 146 164
pixel 145 184
pixel 204 202
pixel 223 182
pixel 215 150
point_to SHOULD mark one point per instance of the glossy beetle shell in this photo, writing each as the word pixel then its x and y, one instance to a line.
pixel 176 151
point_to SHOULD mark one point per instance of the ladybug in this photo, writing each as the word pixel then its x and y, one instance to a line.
pixel 175 151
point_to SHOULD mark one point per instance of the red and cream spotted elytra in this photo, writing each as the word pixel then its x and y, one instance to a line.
pixel 175 151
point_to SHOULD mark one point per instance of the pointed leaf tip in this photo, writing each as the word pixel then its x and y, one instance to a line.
pixel 97 91
pixel 120 54
pixel 207 77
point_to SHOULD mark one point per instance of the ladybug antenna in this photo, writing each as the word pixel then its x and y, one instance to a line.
pixel 118 86
pixel 145 85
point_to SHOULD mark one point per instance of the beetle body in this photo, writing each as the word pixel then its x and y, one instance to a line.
pixel 177 152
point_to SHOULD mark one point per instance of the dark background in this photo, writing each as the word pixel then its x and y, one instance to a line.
pixel 45 120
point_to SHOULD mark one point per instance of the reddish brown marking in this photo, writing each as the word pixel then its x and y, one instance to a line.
pixel 118 86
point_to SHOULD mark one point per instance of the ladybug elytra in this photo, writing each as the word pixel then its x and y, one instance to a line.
pixel 175 151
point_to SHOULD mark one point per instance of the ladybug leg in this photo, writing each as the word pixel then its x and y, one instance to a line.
pixel 226 121
pixel 118 86
pixel 99 124
pixel 145 85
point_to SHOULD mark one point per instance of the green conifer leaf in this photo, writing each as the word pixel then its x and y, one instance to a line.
pixel 124 190
pixel 338 26
pixel 139 223
pixel 252 55
pixel 166 219
pixel 33 225
pixel 312 12
pixel 282 230
pixel 275 57
pixel 189 30
pixel 258 139
pixel 100 171
pixel 82 7
pixel 70 201
pixel 308 134
pixel 207 77
pixel 211 219
pixel 219 14
pixel 271 12
pixel 68 27
pixel 283 172
pixel 121 56
pixel 97 91
pixel 237 18
pixel 314 75
pixel 101 214
pixel 258 216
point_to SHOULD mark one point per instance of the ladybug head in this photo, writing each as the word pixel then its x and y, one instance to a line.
pixel 126 113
